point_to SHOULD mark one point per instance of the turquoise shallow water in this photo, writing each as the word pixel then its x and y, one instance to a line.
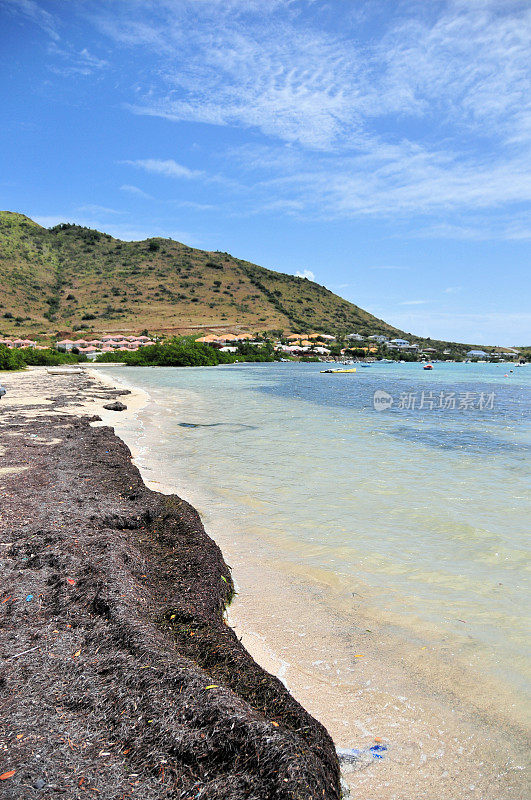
pixel 425 502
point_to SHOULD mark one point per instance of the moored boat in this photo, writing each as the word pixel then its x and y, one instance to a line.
pixel 329 371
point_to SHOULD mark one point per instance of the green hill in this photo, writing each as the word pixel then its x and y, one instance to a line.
pixel 68 278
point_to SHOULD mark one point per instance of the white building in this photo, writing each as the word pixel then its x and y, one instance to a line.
pixel 400 342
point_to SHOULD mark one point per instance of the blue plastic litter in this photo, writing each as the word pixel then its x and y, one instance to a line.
pixel 29 598
pixel 377 750
pixel 357 757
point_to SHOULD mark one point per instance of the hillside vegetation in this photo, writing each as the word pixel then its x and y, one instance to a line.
pixel 70 278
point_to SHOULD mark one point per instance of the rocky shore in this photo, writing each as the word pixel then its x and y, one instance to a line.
pixel 120 677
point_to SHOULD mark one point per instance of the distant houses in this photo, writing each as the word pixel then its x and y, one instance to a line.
pixel 299 345
pixel 16 343
pixel 106 344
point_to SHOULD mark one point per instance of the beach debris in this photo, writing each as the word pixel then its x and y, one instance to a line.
pixel 29 598
pixel 377 750
pixel 360 757
pixel 116 406
pixel 71 581
pixel 40 783
pixel 5 775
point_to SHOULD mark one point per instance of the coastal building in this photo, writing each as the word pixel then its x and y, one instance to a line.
pixel 376 337
pixel 477 354
pixel 400 342
pixel 105 344
pixel 354 337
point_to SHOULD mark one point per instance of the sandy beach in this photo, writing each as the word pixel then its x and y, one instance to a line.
pixel 120 674
pixel 431 738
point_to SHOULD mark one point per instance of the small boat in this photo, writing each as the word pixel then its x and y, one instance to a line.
pixel 427 366
pixel 364 365
pixel 334 371
pixel 64 371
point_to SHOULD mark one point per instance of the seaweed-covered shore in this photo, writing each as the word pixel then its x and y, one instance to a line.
pixel 120 677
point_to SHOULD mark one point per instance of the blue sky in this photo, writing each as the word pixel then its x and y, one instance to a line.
pixel 380 147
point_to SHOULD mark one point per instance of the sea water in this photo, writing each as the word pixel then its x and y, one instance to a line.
pixel 403 492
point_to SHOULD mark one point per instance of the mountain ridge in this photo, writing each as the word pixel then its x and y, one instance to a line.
pixel 61 278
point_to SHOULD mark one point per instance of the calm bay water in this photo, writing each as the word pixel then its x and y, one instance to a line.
pixel 424 504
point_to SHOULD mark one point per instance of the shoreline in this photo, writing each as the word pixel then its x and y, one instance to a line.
pixel 429 739
pixel 427 746
pixel 93 594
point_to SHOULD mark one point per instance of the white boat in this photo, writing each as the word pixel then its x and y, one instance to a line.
pixel 64 371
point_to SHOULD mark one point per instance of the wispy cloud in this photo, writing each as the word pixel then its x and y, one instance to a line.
pixel 95 209
pixel 33 12
pixel 424 117
pixel 75 62
pixel 168 167
pixel 348 107
pixel 130 189
pixel 119 229
pixel 305 273
pixel 452 289
pixel 297 82
pixel 413 302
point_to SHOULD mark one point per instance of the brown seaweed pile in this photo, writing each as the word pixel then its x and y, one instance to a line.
pixel 119 676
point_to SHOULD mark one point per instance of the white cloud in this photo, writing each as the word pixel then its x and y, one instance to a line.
pixel 427 114
pixel 119 230
pixel 267 67
pixel 32 11
pixel 127 187
pixel 95 209
pixel 168 167
pixel 359 115
pixel 413 302
pixel 305 273
pixel 452 289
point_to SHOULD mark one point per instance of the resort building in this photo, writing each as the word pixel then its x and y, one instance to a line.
pixel 477 354
pixel 354 337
